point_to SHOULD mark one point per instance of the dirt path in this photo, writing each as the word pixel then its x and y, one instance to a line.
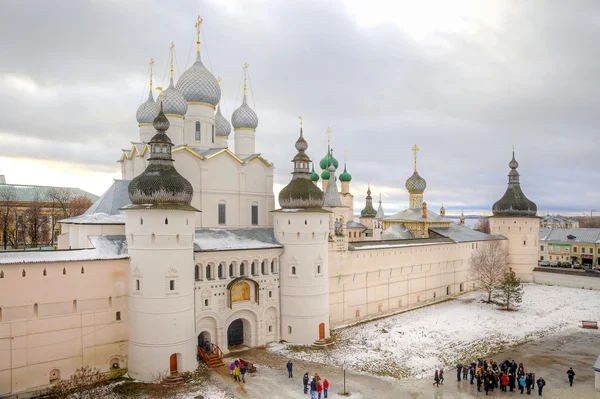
pixel 548 358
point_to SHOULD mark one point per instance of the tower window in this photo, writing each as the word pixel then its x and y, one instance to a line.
pixel 206 302
pixel 255 215
pixel 213 133
pixel 137 285
pixel 198 131
pixel 166 221
pixel 64 270
pixel 1 274
pixel 172 285
pixel 242 269
pixel 289 329
pixel 270 294
pixel 196 272
pixel 24 273
pixel 222 212
pixel 44 272
pixel 118 316
pixel 209 272
pixel 231 270
pixel 270 328
pixel 82 270
pixel 293 270
pixel 220 271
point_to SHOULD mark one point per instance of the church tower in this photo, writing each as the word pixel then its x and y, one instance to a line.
pixel 202 92
pixel 245 122
pixel 515 218
pixel 174 106
pixel 415 185
pixel 147 112
pixel 302 226
pixel 159 225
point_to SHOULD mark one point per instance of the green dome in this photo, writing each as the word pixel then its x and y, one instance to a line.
pixel 327 160
pixel 325 175
pixel 313 175
pixel 345 176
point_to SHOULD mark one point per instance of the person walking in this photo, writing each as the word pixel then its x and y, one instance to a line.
pixel 236 373
pixel 571 375
pixel 325 387
pixel 458 371
pixel 243 372
pixel 289 366
pixel 305 382
pixel 521 384
pixel 231 368
pixel 436 379
pixel 511 379
pixel 319 389
pixel 313 388
pixel 529 382
pixel 465 371
pixel 541 384
pixel 472 373
pixel 442 376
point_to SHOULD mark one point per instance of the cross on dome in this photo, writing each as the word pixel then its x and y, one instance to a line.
pixel 415 149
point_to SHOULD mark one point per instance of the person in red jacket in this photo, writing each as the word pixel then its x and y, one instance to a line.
pixel 325 388
pixel 319 388
pixel 503 382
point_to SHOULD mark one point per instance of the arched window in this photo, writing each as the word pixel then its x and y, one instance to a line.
pixel 222 212
pixel 141 221
pixel 357 313
pixel 272 267
pixel 1 274
pixel 118 316
pixel 24 273
pixel 35 310
pixel 82 270
pixel 209 272
pixel 172 285
pixel 166 221
pixel 44 272
pixel 289 329
pixel 293 270
pixel 137 285
pixel 263 267
pixel 152 239
pixel 197 273
pixel 75 306
pixel 231 270
pixel 64 270
pixel 253 269
pixel 242 269
pixel 220 271
pixel 0 315
pixel 198 131
pixel 270 294
pixel 213 133
pixel 110 301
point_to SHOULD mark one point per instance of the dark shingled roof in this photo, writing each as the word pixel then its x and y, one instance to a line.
pixel 369 211
pixel 514 202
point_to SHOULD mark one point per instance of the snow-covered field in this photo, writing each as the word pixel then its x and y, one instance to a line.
pixel 414 343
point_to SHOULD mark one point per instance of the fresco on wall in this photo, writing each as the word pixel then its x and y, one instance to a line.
pixel 240 292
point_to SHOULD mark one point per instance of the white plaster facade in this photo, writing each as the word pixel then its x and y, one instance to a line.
pixel 522 234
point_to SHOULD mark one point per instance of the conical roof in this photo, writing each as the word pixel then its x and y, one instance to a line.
pixel 369 211
pixel 514 202
pixel 332 195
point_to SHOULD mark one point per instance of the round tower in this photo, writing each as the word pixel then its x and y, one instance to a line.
pixel 202 93
pixel 302 226
pixel 245 122
pixel 159 224
pixel 515 218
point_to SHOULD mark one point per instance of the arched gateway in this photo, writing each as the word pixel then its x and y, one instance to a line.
pixel 235 333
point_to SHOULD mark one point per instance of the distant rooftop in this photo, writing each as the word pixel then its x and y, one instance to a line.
pixel 589 235
pixel 31 193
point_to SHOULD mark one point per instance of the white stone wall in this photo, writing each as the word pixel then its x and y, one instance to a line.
pixel 175 131
pixel 161 291
pixel 214 312
pixel 368 283
pixel 76 236
pixel 522 234
pixel 304 272
pixel 580 280
pixel 244 142
pixel 61 321
pixel 205 114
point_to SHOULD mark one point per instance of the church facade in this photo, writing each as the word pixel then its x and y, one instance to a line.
pixel 189 248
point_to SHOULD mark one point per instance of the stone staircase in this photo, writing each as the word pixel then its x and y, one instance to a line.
pixel 324 342
pixel 215 359
pixel 173 380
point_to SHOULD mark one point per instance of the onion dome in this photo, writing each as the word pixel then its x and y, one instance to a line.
pixel 148 111
pixel 514 202
pixel 301 192
pixel 173 101
pixel 328 159
pixel 345 176
pixel 314 176
pixel 415 184
pixel 369 211
pixel 198 85
pixel 244 117
pixel 222 126
pixel 160 184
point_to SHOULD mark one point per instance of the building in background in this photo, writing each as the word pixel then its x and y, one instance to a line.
pixel 558 222
pixel 29 215
pixel 570 245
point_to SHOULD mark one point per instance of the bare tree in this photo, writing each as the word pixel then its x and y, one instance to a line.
pixel 488 263
pixel 7 197
pixel 483 225
pixel 85 383
pixel 36 223
pixel 63 205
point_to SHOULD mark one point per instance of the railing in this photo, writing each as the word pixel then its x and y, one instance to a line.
pixel 214 349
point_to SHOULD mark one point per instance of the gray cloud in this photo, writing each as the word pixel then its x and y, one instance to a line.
pixel 73 74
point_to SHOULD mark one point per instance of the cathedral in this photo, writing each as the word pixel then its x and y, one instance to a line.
pixel 187 256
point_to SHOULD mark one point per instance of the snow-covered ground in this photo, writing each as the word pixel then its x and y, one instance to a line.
pixel 412 344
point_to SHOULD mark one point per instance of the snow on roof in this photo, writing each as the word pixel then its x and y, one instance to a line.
pixel 416 215
pixel 463 234
pixel 354 225
pixel 588 235
pixel 107 209
pixel 97 218
pixel 234 239
pixel 396 232
pixel 362 245
pixel 105 248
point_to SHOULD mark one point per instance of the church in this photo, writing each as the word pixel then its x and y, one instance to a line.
pixel 188 251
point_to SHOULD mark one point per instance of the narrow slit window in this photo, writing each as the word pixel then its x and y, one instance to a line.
pixel 198 131
pixel 172 285
pixel 118 316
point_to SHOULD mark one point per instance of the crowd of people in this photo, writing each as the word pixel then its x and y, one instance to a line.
pixel 506 376
pixel 238 370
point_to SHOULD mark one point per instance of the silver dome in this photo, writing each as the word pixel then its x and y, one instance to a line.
pixel 222 126
pixel 415 184
pixel 197 84
pixel 173 101
pixel 244 117
pixel 148 111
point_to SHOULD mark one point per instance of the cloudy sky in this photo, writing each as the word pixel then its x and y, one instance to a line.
pixel 465 80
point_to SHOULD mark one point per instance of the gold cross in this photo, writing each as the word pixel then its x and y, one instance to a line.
pixel 328 133
pixel 415 149
pixel 345 155
pixel 245 68
pixel 171 51
pixel 300 121
pixel 151 63
pixel 198 24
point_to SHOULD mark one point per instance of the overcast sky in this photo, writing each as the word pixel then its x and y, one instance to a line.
pixel 465 80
